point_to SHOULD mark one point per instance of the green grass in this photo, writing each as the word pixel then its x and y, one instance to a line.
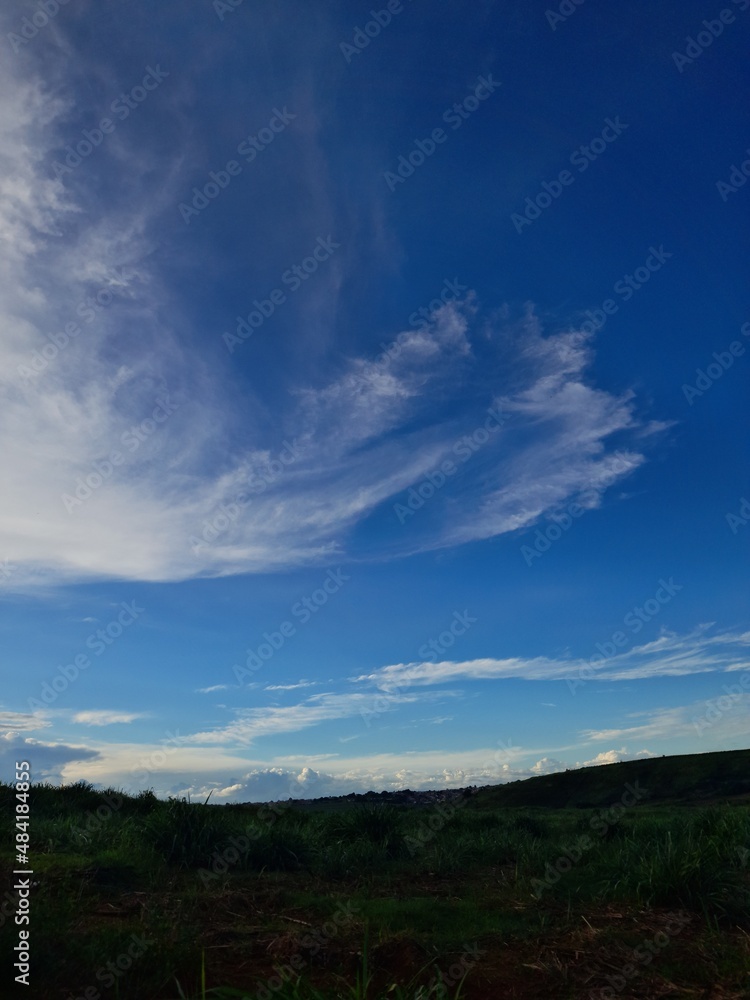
pixel 228 894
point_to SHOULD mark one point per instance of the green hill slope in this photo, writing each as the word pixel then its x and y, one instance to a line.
pixel 691 779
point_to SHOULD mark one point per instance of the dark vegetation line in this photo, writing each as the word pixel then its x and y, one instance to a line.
pixel 616 877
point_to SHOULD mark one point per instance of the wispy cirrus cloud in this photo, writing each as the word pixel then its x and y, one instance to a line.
pixel 291 687
pixel 670 655
pixel 252 724
pixel 728 724
pixel 106 718
pixel 71 402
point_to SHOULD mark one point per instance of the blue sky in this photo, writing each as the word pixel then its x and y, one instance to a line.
pixel 374 391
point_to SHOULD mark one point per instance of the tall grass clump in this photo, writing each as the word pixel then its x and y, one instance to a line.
pixel 186 834
pixel 382 827
pixel 697 866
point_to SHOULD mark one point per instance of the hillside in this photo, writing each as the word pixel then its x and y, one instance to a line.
pixel 689 779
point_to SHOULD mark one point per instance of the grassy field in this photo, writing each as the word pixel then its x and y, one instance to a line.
pixel 612 890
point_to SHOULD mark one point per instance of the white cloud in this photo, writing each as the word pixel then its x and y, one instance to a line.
pixel 291 687
pixel 229 792
pixel 328 775
pixel 670 655
pixel 103 718
pixel 18 722
pixel 253 723
pixel 547 765
pixel 196 771
pixel 709 721
pixel 615 756
pixel 159 765
pixel 365 435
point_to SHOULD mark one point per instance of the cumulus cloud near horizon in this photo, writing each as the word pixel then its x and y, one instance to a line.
pixel 325 775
